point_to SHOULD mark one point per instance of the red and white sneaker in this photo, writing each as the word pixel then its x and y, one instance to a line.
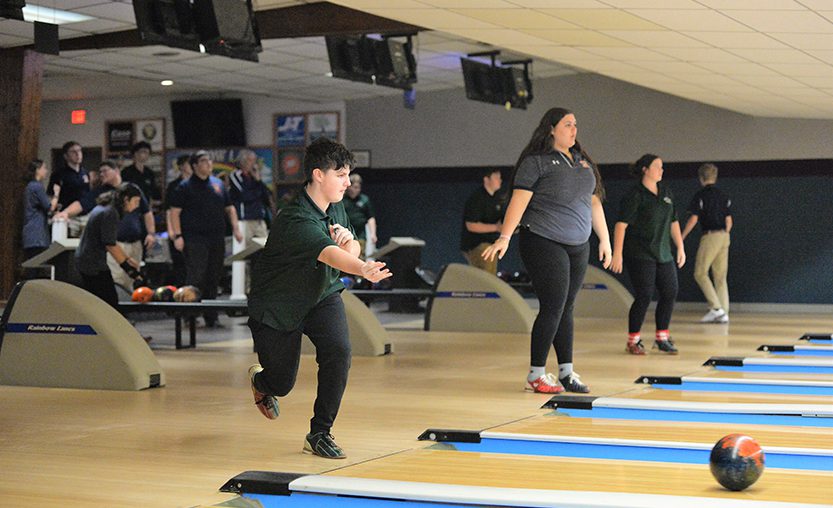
pixel 267 404
pixel 544 384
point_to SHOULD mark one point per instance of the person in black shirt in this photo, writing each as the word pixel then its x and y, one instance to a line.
pixel 199 207
pixel 177 275
pixel 711 209
pixel 70 182
pixel 99 239
pixel 140 174
pixel 482 220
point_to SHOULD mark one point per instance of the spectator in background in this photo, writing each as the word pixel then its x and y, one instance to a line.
pixel 70 182
pixel 198 209
pixel 361 213
pixel 140 174
pixel 36 208
pixel 251 198
pixel 183 165
pixel 95 177
pixel 482 220
pixel 642 239
pixel 99 239
pixel 136 230
pixel 711 209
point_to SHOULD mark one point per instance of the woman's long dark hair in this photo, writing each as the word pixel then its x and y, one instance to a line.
pixel 541 143
pixel 117 197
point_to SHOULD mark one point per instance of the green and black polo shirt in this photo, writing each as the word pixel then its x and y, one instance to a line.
pixel 649 219
pixel 287 280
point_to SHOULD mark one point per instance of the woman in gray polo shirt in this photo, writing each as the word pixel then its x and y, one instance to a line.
pixel 556 200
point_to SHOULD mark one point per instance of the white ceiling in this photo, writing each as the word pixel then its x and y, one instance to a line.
pixel 758 57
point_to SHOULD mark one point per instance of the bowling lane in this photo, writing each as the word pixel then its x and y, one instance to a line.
pixel 732 397
pixel 787 376
pixel 766 435
pixel 588 475
pixel 771 387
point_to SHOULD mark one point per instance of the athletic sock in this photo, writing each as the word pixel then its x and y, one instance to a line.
pixel 564 370
pixel 536 372
pixel 662 335
pixel 633 338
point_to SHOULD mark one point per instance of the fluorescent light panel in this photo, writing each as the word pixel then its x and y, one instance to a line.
pixel 33 13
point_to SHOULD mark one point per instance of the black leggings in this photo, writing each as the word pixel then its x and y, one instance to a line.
pixel 279 353
pixel 645 276
pixel 557 272
pixel 101 285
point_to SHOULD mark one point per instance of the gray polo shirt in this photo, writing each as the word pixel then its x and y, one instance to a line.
pixel 562 191
pixel 101 231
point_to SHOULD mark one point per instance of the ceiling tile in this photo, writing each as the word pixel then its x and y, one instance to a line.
pixel 517 18
pixel 111 10
pixel 504 37
pixel 701 55
pixel 736 70
pixel 653 4
pixel 630 54
pixel 437 19
pixel 783 21
pixel 764 5
pixel 561 4
pixel 8 41
pixel 603 19
pixel 691 20
pixel 273 72
pixel 806 41
pixel 826 56
pixel 16 28
pixel 656 38
pixel 117 60
pixel 577 38
pixel 220 63
pixel 770 56
pixel 468 4
pixel 737 40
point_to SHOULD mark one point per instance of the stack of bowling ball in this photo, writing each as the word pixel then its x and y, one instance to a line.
pixel 144 294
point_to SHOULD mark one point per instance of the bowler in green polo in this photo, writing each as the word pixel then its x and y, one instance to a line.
pixel 296 290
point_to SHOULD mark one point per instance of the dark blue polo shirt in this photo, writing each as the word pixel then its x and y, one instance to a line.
pixel 203 204
pixel 249 195
pixel 711 208
pixel 74 185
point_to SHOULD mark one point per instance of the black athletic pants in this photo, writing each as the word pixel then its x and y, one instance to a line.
pixel 647 275
pixel 280 351
pixel 557 272
pixel 101 285
pixel 204 257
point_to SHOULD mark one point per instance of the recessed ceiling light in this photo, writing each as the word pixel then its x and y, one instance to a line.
pixel 54 16
pixel 166 82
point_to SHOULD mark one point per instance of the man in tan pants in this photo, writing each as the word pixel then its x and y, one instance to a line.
pixel 711 208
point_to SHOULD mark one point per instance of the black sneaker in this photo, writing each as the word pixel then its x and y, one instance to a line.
pixel 323 445
pixel 572 383
pixel 666 346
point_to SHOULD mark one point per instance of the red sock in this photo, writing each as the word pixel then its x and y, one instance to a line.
pixel 633 338
pixel 662 334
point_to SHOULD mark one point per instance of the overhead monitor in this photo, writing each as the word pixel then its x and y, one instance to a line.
pixel 167 22
pixel 385 61
pixel 228 28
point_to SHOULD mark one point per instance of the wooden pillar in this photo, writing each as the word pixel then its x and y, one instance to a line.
pixel 20 102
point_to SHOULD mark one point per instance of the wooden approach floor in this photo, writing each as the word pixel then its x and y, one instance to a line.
pixel 175 446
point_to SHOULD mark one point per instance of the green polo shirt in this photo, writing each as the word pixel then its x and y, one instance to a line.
pixel 649 219
pixel 287 280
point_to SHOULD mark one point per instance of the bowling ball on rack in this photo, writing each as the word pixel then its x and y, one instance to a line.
pixel 163 294
pixel 187 294
pixel 736 461
pixel 142 294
